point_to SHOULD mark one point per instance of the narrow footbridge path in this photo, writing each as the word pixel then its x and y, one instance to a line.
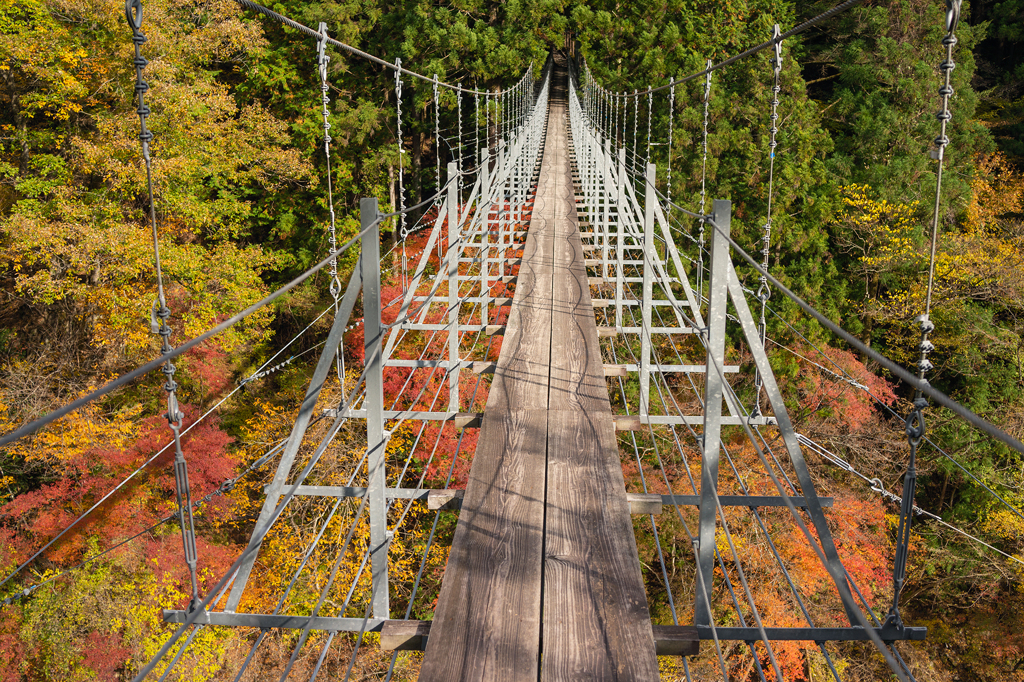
pixel 543 579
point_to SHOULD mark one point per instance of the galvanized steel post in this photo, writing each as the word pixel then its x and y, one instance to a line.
pixel 650 257
pixel 454 250
pixel 718 293
pixel 374 401
pixel 620 239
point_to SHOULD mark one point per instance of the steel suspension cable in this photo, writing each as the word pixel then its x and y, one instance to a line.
pixel 703 186
pixel 928 390
pixel 915 422
pixel 763 291
pixel 174 415
pixel 725 526
pixel 891 412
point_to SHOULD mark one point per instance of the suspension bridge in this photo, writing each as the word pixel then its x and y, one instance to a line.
pixel 551 234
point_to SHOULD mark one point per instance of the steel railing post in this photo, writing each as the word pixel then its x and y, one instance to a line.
pixel 606 193
pixel 620 240
pixel 374 401
pixel 650 255
pixel 453 290
pixel 484 250
pixel 718 294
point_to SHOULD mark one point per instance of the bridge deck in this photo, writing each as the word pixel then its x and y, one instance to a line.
pixel 543 581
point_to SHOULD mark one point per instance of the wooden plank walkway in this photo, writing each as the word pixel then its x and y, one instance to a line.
pixel 543 580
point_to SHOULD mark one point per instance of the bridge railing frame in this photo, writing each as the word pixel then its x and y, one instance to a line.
pixel 495 205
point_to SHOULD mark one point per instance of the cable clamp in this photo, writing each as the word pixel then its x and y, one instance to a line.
pixel 915 426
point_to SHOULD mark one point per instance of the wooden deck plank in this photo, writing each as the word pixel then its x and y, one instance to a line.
pixel 596 622
pixel 521 376
pixel 577 369
pixel 487 622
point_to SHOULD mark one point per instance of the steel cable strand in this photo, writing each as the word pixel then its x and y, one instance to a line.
pixel 717 556
pixel 323 654
pixel 703 185
pixel 763 292
pixel 938 396
pixel 422 390
pixel 344 606
pixel 693 539
pixel 124 379
pixel 877 486
pixel 768 468
pixel 746 491
pixel 160 314
pixel 741 573
pixel 255 542
pixel 891 412
pixel 689 376
pixel 185 646
pixel 915 421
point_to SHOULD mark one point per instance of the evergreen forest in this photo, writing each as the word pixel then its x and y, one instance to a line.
pixel 240 181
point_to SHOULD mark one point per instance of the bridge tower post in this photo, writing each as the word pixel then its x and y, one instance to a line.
pixel 718 298
pixel 620 239
pixel 650 258
pixel 376 440
pixel 484 251
pixel 452 203
pixel 606 158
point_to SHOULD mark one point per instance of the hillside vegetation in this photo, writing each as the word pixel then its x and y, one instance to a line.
pixel 240 175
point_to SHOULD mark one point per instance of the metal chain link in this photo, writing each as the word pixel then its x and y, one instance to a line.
pixel 764 292
pixel 701 239
pixel 437 155
pixel 650 106
pixel 160 313
pixel 915 422
pixel 322 60
pixel 458 100
pixel 437 135
pixel 636 117
pixel 402 231
pixel 668 180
